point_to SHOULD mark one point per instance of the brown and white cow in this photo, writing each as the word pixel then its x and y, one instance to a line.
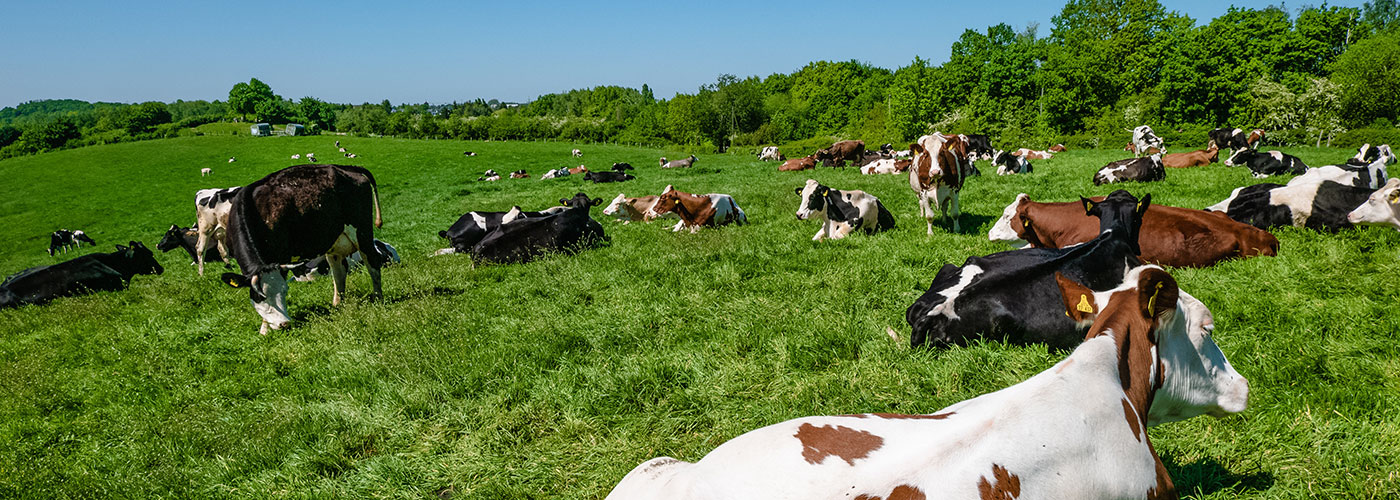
pixel 1169 236
pixel 886 166
pixel 520 174
pixel 697 211
pixel 797 164
pixel 1076 430
pixel 940 166
pixel 1031 154
pixel 634 209
pixel 1058 148
pixel 840 152
pixel 1197 158
pixel 578 170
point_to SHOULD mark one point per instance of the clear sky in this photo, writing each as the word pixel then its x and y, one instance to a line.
pixel 440 51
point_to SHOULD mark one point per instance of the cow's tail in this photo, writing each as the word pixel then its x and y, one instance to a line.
pixel 378 219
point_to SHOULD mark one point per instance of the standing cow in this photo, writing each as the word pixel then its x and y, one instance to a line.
pixel 61 240
pixel 211 210
pixel 940 166
pixel 839 153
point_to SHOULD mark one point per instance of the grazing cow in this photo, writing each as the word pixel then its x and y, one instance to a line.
pixel 681 163
pixel 468 153
pixel 187 239
pixel 1079 429
pixel 203 172
pixel 211 210
pixel 1031 154
pixel 1009 163
pixel 797 164
pixel 578 170
pixel 296 213
pixel 1266 164
pixel 770 153
pixel 1058 148
pixel 522 240
pixel 1368 154
pixel 622 167
pixel 1170 236
pixel 1370 176
pixel 940 166
pixel 489 175
pixel 696 211
pixel 1197 158
pixel 94 272
pixel 1144 138
pixel 337 143
pixel 577 153
pixel 558 172
pixel 886 166
pixel 471 227
pixel 979 145
pixel 841 212
pixel 342 149
pixel 1319 206
pixel 1146 169
pixel 309 270
pixel 63 239
pixel 839 153
pixel 634 209
pixel 601 177
pixel 1012 294
pixel 1382 208
pixel 519 174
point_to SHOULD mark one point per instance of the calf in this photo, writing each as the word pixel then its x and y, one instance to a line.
pixel 1319 206
pixel 522 240
pixel 211 210
pixel 940 166
pixel 471 227
pixel 797 164
pixel 1146 169
pixel 841 212
pixel 1012 294
pixel 770 153
pixel 62 240
pixel 1008 164
pixel 1144 138
pixel 187 239
pixel 1370 176
pixel 601 177
pixel 1170 236
pixel 841 152
pixel 697 211
pixel 681 163
pixel 1030 440
pixel 1381 207
pixel 1266 164
pixel 519 174
pixel 309 270
pixel 93 272
pixel 578 170
pixel 1197 158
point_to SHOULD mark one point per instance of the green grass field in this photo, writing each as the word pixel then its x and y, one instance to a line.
pixel 553 379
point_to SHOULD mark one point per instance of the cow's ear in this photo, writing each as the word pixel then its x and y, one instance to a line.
pixel 136 244
pixel 916 148
pixel 1079 301
pixel 597 201
pixel 1157 292
pixel 1142 205
pixel 564 201
pixel 235 280
pixel 121 248
pixel 1090 208
pixel 797 191
pixel 174 227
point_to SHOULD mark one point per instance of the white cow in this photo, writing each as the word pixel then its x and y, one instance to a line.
pixel 205 171
pixel 770 153
pixel 296 156
pixel 882 166
pixel 841 212
pixel 211 209
pixel 1382 208
pixel 558 172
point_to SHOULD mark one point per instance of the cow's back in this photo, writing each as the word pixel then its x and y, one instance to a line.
pixel 299 212
pixel 39 285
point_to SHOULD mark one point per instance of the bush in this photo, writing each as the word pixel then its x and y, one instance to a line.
pixel 806 147
pixel 1355 138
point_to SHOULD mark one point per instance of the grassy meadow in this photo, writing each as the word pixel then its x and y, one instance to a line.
pixel 553 379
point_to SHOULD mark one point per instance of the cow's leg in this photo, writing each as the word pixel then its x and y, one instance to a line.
pixel 221 242
pixel 927 211
pixel 678 227
pixel 373 260
pixel 338 272
pixel 201 246
pixel 957 211
pixel 264 328
pixel 821 231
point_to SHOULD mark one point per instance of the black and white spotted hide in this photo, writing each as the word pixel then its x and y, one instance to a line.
pixel 841 212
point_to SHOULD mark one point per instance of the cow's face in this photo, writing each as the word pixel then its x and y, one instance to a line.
pixel 667 202
pixel 80 237
pixel 142 258
pixel 268 292
pixel 1239 157
pixel 1120 211
pixel 580 201
pixel 812 198
pixel 1382 208
pixel 1196 377
pixel 172 239
pixel 1005 228
pixel 616 205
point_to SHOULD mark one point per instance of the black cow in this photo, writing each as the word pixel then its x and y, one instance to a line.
pixel 63 239
pixel 89 273
pixel 980 146
pixel 522 240
pixel 1227 138
pixel 1264 164
pixel 186 238
pixel 1145 169
pixel 1319 206
pixel 622 167
pixel 296 213
pixel 600 177
pixel 1015 295
pixel 471 227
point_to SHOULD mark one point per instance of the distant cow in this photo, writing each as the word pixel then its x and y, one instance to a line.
pixel 841 152
pixel 622 167
pixel 62 240
pixel 1264 164
pixel 940 166
pixel 471 227
pixel 1144 138
pixel 468 153
pixel 204 172
pixel 980 146
pixel 1008 164
pixel 1319 206
pixel 697 211
pixel 556 173
pixel 601 177
pixel 1058 148
pixel 519 174
pixel 770 153
pixel 489 175
pixel 797 164
pixel 577 153
pixel 211 209
pixel 1031 154
pixel 886 166
pixel 1145 169
pixel 681 163
pixel 1381 208
pixel 522 240
pixel 1197 158
pixel 841 212
pixel 309 270
pixel 94 272
pixel 578 170
pixel 301 212
pixel 186 238
pixel 1227 138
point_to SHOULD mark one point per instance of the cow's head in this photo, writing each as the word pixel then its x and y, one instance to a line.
pixel 1382 208
pixel 619 167
pixel 79 237
pixel 172 239
pixel 1121 213
pixel 1014 224
pixel 1240 157
pixel 267 289
pixel 142 259
pixel 580 201
pixel 668 201
pixel 616 205
pixel 812 198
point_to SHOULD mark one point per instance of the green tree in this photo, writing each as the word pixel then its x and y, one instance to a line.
pixel 1368 78
pixel 50 135
pixel 142 117
pixel 313 111
pixel 1382 15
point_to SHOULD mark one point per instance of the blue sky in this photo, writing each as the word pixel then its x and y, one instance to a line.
pixel 354 51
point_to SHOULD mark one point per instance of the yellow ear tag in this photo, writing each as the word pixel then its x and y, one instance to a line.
pixel 1027 222
pixel 1139 207
pixel 826 192
pixel 1084 306
pixel 678 202
pixel 233 283
pixel 1152 301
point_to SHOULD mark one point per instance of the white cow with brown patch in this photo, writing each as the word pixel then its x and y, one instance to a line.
pixel 1077 430
pixel 634 209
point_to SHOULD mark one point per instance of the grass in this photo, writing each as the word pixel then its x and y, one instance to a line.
pixel 554 378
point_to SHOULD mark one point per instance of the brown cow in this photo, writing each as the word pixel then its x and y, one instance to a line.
pixel 632 209
pixel 1031 154
pixel 1197 158
pixel 519 174
pixel 796 164
pixel 1133 149
pixel 578 170
pixel 1058 148
pixel 839 153
pixel 1170 236
pixel 698 211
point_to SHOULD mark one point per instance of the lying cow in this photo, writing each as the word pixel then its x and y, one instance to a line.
pixel 1008 164
pixel 94 272
pixel 1058 148
pixel 309 270
pixel 519 174
pixel 1031 154
pixel 697 211
pixel 841 152
pixel 886 166
pixel 1197 158
pixel 1144 138
pixel 841 212
pixel 1145 169
pixel 522 240
pixel 681 163
pixel 211 209
pixel 1381 208
pixel 601 177
pixel 578 170
pixel 187 239
pixel 1266 164
pixel 1170 236
pixel 489 176
pixel 940 166
pixel 979 146
pixel 797 164
pixel 576 153
pixel 1319 206
pixel 62 240
pixel 622 167
pixel 1229 138
pixel 1030 440
pixel 633 209
pixel 556 173
pixel 471 227
pixel 1368 154
pixel 770 153
pixel 1371 176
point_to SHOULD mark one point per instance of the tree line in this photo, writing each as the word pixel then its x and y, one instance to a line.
pixel 1321 75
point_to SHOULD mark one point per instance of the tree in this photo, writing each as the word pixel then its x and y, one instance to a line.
pixel 1368 77
pixel 142 117
pixel 244 98
pixel 313 111
pixel 53 134
pixel 1383 15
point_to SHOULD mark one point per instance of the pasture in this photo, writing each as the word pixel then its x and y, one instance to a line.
pixel 553 379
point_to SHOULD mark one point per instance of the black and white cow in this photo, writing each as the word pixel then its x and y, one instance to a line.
pixel 186 238
pixel 841 212
pixel 301 212
pixel 522 240
pixel 471 227
pixel 1144 138
pixel 1146 169
pixel 622 167
pixel 1264 164
pixel 979 146
pixel 1368 154
pixel 1008 164
pixel 770 153
pixel 1319 206
pixel 211 210
pixel 1227 138
pixel 1382 208
pixel 62 240
pixel 309 270
pixel 93 272
pixel 601 177
pixel 1014 294
pixel 489 176
pixel 1371 176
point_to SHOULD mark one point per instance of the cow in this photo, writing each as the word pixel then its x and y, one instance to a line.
pixel 1144 138
pixel 577 153
pixel 1368 154
pixel 1371 176
pixel 634 209
pixel 301 212
pixel 1197 158
pixel 871 157
pixel 770 153
pixel 186 239
pixel 94 272
pixel 1008 164
pixel 1058 148
pixel 622 167
pixel 211 210
pixel 232 159
pixel 697 211
pixel 979 146
pixel 1142 169
pixel 1266 164
pixel 1031 154
pixel 468 153
pixel 309 270
pixel 556 173
pixel 204 172
pixel 681 163
pixel 296 156
pixel 1012 295
pixel 940 166
pixel 1318 206
pixel 886 166
pixel 840 152
pixel 489 176
pixel 1227 138
pixel 519 174
pixel 841 212
pixel 902 154
pixel 601 177
pixel 1077 430
pixel 471 227
pixel 62 240
pixel 1381 208
pixel 522 240
pixel 1170 236
pixel 578 170
pixel 1254 138
pixel 798 164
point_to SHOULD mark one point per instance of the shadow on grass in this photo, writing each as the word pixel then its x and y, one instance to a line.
pixel 969 223
pixel 1208 477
